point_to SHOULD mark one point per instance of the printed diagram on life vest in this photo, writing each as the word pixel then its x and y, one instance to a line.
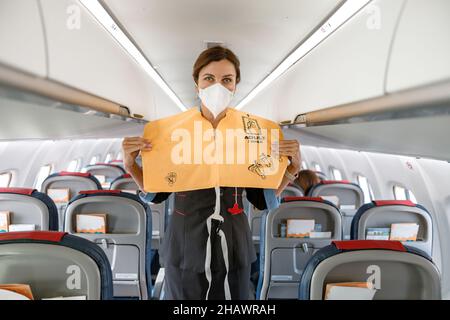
pixel 171 178
pixel 262 165
pixel 252 130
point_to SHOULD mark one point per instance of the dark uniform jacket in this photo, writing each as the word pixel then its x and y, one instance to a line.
pixel 184 243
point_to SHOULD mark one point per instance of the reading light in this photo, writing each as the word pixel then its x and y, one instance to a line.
pixel 102 16
pixel 345 12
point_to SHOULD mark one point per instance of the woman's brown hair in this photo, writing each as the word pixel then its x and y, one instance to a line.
pixel 306 179
pixel 216 53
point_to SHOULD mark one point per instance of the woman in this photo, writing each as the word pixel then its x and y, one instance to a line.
pixel 216 74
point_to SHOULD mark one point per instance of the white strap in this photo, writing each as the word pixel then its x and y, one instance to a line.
pixel 223 241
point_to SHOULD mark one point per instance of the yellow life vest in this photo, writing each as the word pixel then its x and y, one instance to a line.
pixel 189 154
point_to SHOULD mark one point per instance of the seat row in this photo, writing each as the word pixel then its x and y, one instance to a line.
pixel 284 259
pixel 132 240
pixel 65 265
pixel 74 182
pixel 126 244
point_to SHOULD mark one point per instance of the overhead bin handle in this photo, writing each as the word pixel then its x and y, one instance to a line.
pixel 416 102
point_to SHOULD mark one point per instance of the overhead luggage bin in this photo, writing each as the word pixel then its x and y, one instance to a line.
pixel 420 50
pixel 118 77
pixel 357 52
pixel 24 35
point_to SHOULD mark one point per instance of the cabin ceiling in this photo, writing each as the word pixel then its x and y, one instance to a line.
pixel 172 33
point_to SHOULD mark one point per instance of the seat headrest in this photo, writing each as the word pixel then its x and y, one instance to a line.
pixel 114 193
pixel 380 203
pixel 75 174
pixel 335 182
pixel 99 192
pixel 291 199
pixel 106 165
pixel 51 236
pixel 313 199
pixel 68 174
pixel 24 191
pixel 369 244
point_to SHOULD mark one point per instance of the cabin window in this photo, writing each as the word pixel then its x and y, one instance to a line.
pixel 363 182
pixel 5 179
pixel 94 160
pixel 108 158
pixel 304 165
pixel 400 193
pixel 336 174
pixel 43 173
pixel 317 167
pixel 411 196
pixel 73 165
pixel 119 156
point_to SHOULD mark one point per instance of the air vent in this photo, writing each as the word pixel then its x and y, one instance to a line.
pixel 210 44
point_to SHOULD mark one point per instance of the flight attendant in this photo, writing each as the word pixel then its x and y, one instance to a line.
pixel 196 264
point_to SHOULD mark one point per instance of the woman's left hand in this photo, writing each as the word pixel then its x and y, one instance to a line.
pixel 291 149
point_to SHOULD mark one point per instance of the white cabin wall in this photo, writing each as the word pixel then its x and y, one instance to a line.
pixel 436 177
pixel 17 157
pixel 313 156
pixel 331 159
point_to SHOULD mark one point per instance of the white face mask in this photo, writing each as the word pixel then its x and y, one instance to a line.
pixel 216 98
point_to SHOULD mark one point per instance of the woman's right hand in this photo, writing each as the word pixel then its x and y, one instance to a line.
pixel 131 147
